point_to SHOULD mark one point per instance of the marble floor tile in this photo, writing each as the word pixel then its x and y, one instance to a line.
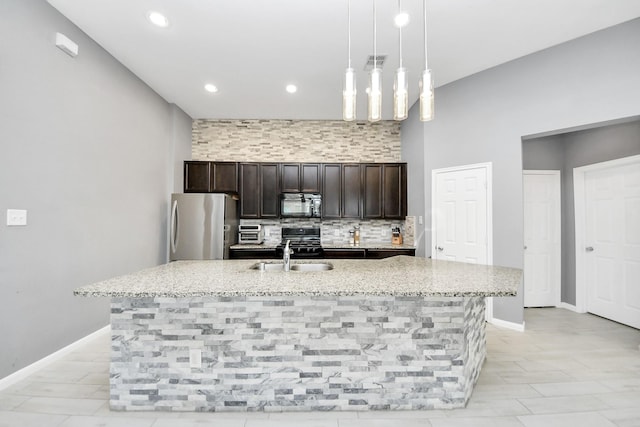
pixel 580 419
pixel 490 408
pixel 504 391
pixel 629 417
pixel 402 415
pixel 570 388
pixel 56 405
pixel 9 402
pixel 190 422
pixel 624 399
pixel 293 423
pixel 92 421
pixel 475 422
pixel 386 422
pixel 22 419
pixel 556 405
pixel 58 390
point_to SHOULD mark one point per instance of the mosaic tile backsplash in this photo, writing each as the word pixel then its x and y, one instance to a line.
pixel 334 232
pixel 295 141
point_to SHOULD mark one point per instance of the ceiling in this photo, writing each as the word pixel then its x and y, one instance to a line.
pixel 251 49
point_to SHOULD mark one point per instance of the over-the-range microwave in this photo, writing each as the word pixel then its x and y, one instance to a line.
pixel 300 205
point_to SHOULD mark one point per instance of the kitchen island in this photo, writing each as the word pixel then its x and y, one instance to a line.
pixel 399 333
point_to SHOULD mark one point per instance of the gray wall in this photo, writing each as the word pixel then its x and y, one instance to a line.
pixel 570 150
pixel 88 150
pixel 483 118
pixel 412 132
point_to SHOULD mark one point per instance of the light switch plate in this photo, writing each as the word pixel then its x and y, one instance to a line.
pixel 16 217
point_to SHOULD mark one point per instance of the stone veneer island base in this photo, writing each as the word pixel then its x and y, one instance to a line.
pixel 368 342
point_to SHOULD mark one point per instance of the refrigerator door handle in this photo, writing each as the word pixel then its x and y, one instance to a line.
pixel 174 226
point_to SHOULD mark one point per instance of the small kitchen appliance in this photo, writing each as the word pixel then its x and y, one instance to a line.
pixel 300 205
pixel 250 234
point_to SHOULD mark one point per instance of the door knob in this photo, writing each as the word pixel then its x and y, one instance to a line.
pixel 589 249
pixel 440 248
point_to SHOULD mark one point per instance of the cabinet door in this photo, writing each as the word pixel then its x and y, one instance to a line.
pixel 386 253
pixel 290 173
pixel 270 190
pixel 249 190
pixel 350 197
pixel 394 183
pixel 372 191
pixel 335 253
pixel 224 177
pixel 196 176
pixel 331 190
pixel 310 178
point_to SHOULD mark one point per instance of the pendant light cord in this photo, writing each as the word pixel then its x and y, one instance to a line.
pixel 375 55
pixel 400 32
pixel 424 7
pixel 349 30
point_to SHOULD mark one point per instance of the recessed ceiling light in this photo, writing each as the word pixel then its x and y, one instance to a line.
pixel 210 88
pixel 292 88
pixel 401 19
pixel 158 19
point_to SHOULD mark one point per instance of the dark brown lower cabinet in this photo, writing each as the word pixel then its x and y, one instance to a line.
pixel 386 253
pixel 267 253
pixel 334 253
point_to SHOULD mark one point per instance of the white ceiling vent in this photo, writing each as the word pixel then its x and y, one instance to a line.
pixel 379 62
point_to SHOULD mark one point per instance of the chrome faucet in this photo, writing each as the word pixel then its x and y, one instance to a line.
pixel 286 256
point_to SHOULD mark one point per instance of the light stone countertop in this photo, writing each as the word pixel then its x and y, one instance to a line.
pixel 396 276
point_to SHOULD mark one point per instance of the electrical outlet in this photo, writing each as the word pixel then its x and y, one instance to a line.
pixel 195 358
pixel 16 217
pixel 420 219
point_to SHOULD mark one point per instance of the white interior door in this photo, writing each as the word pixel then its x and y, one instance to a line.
pixel 612 243
pixel 460 213
pixel 542 259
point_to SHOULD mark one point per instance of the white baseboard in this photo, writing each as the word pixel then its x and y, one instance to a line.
pixel 47 360
pixel 508 325
pixel 568 307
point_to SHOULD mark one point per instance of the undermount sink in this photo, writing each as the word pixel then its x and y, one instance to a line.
pixel 278 266
pixel 320 266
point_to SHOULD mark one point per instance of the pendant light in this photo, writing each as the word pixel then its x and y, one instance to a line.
pixel 400 84
pixel 426 81
pixel 375 80
pixel 349 88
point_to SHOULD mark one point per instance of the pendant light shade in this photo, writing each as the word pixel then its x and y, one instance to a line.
pixel 375 95
pixel 375 80
pixel 426 81
pixel 349 96
pixel 349 88
pixel 426 96
pixel 400 95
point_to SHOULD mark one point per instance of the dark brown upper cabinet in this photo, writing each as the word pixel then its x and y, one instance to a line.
pixel 249 186
pixel 210 177
pixel 270 190
pixel 331 190
pixel 224 177
pixel 196 176
pixel 372 191
pixel 300 177
pixel 384 190
pixel 351 191
pixel 394 190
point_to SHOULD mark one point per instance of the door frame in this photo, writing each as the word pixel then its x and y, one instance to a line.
pixel 579 194
pixel 557 291
pixel 488 167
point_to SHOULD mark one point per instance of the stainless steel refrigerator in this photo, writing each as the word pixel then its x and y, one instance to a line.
pixel 203 226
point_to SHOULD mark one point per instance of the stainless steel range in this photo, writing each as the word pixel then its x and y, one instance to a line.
pixel 304 242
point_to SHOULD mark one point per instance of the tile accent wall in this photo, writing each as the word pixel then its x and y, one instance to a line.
pixel 295 141
pixel 295 353
pixel 331 231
